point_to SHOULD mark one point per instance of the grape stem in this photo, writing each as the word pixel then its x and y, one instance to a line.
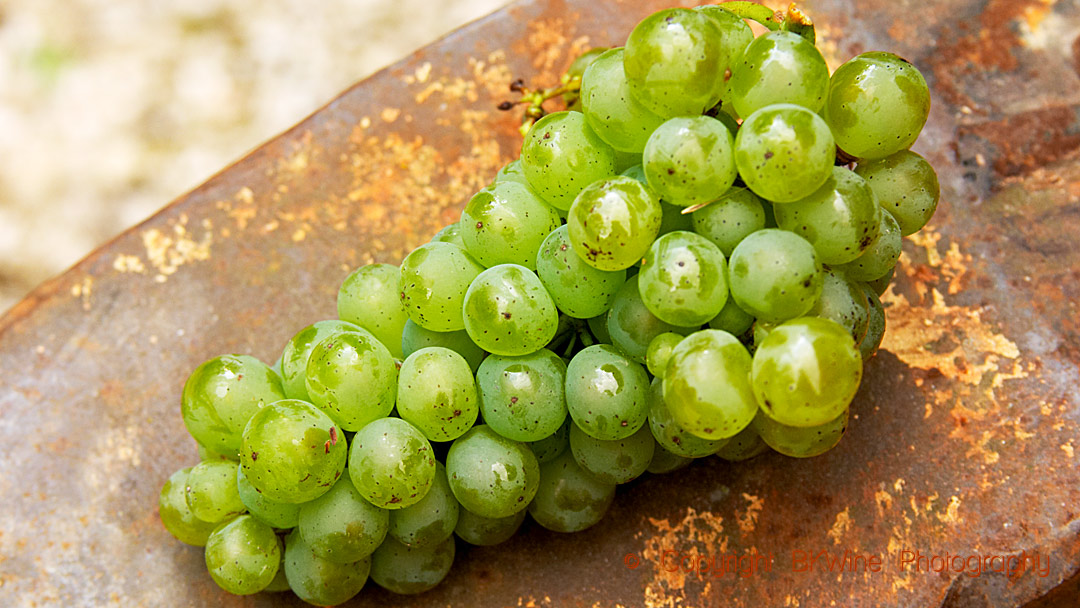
pixel 534 99
pixel 794 20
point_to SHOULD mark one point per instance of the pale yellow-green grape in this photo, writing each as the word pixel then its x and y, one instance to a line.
pixel 730 218
pixel 578 289
pixel 613 222
pixel 409 570
pixel 243 555
pixel 341 526
pixel 615 461
pixel 670 435
pixel 840 219
pixel 176 515
pixel 569 498
pixel 491 475
pixel 779 67
pixel 784 152
pixel 843 301
pixel 508 311
pixel 369 298
pixel 391 463
pixel 352 377
pixel 561 156
pixel 609 108
pixel 222 394
pixel 880 257
pixel 522 398
pixel 437 393
pixel 906 186
pixel 505 223
pixel 606 393
pixel 707 385
pixel 430 521
pixel 801 442
pixel 689 160
pixel 434 278
pixel 318 581
pixel 775 275
pixel 683 279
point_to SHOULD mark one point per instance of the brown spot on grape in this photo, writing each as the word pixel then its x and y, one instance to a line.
pixel 254 456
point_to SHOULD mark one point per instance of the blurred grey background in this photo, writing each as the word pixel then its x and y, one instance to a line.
pixel 109 109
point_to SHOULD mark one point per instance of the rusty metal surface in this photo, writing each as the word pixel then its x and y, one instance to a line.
pixel 963 438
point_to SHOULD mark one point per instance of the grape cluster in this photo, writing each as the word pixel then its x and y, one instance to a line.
pixel 686 263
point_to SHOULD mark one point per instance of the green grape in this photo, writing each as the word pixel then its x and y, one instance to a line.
pixel 656 357
pixel 745 445
pixel 840 219
pixel 664 461
pixel 578 289
pixel 430 521
pixel 414 337
pixel 176 515
pixel 881 285
pixel 243 555
pixel 732 319
pixel 784 152
pixel 294 357
pixel 280 515
pixel 280 582
pixel 672 217
pixel 906 186
pixel 582 62
pixel 561 155
pixel 211 491
pixel 877 104
pixel 801 442
pixel 369 298
pixel 707 385
pixel 352 377
pixel 675 62
pixel 618 461
pixel 437 393
pixel 606 393
pixel 806 371
pixel 570 499
pixel 875 327
pixel 292 451
pixel 522 397
pixel 491 475
pixel 775 275
pixel 667 432
pixel 410 570
pixel 598 324
pixel 610 110
pixel 683 279
pixel 340 526
pixel 730 219
pixel 434 278
pixel 391 463
pixel 487 531
pixel 451 233
pixel 318 581
pixel 631 326
pixel 843 301
pixel 505 223
pixel 222 394
pixel 689 160
pixel 779 67
pixel 613 222
pixel 508 311
pixel 880 257
pixel 512 172
pixel 548 448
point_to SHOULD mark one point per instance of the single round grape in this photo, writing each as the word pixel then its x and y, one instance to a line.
pixel 430 521
pixel 318 581
pixel 730 218
pixel 675 61
pixel 656 357
pixel 613 222
pixel 707 385
pixel 570 499
pixel 775 275
pixel 841 219
pixel 437 393
pixel 672 217
pixel 369 298
pixel 176 515
pixel 340 526
pixel 906 186
pixel 617 461
pixel 487 531
pixel 434 278
pixel 784 152
pixel 630 326
pixel 683 279
pixel 280 515
pixel 512 172
pixel 505 223
pixel 689 160
pixel 243 555
pixel 875 328
pixel 732 319
pixel 294 357
pixel 779 67
pixel 664 461
pixel 292 451
pixel 610 109
pixel 880 257
pixel 508 311
pixel 491 475
pixel 391 463
pixel 578 289
pixel 522 398
pixel 352 377
pixel 606 393
pixel 667 432
pixel 451 233
pixel 211 491
pixel 881 285
pixel 548 448
pixel 744 446
pixel 801 442
pixel 410 570
pixel 843 301
pixel 414 337
pixel 561 155
pixel 222 394
pixel 806 371
pixel 877 104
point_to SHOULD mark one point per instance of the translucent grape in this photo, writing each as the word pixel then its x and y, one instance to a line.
pixel 880 257
pixel 664 461
pixel 512 172
pixel 451 233
pixel 906 186
pixel 841 219
pixel 844 302
pixel 522 397
pixel 430 521
pixel 437 393
pixel 508 311
pixel 609 108
pixel 806 371
pixel 295 355
pixel 745 445
pixel 391 463
pixel 211 491
pixel 434 278
pixel 606 393
pixel 340 526
pixel 730 218
pixel 561 155
pixel 875 327
pixel 222 394
pixel 569 499
pixel 548 448
pixel 318 581
pixel 414 337
pixel 732 319
pixel 683 279
pixel 801 442
pixel 369 298
pixel 775 275
pixel 689 160
pixel 630 326
pixel 784 152
pixel 659 351
pixel 669 435
pixel 779 67
pixel 578 289
pixel 176 515
pixel 613 222
pixel 707 385
pixel 281 515
pixel 243 555
pixel 410 570
pixel 505 223
pixel 352 377
pixel 617 461
pixel 491 475
pixel 487 531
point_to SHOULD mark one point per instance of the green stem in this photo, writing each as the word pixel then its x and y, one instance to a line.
pixel 794 20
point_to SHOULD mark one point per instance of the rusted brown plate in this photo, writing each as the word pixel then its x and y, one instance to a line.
pixel 963 437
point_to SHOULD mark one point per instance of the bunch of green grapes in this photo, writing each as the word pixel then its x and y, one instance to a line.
pixel 687 262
